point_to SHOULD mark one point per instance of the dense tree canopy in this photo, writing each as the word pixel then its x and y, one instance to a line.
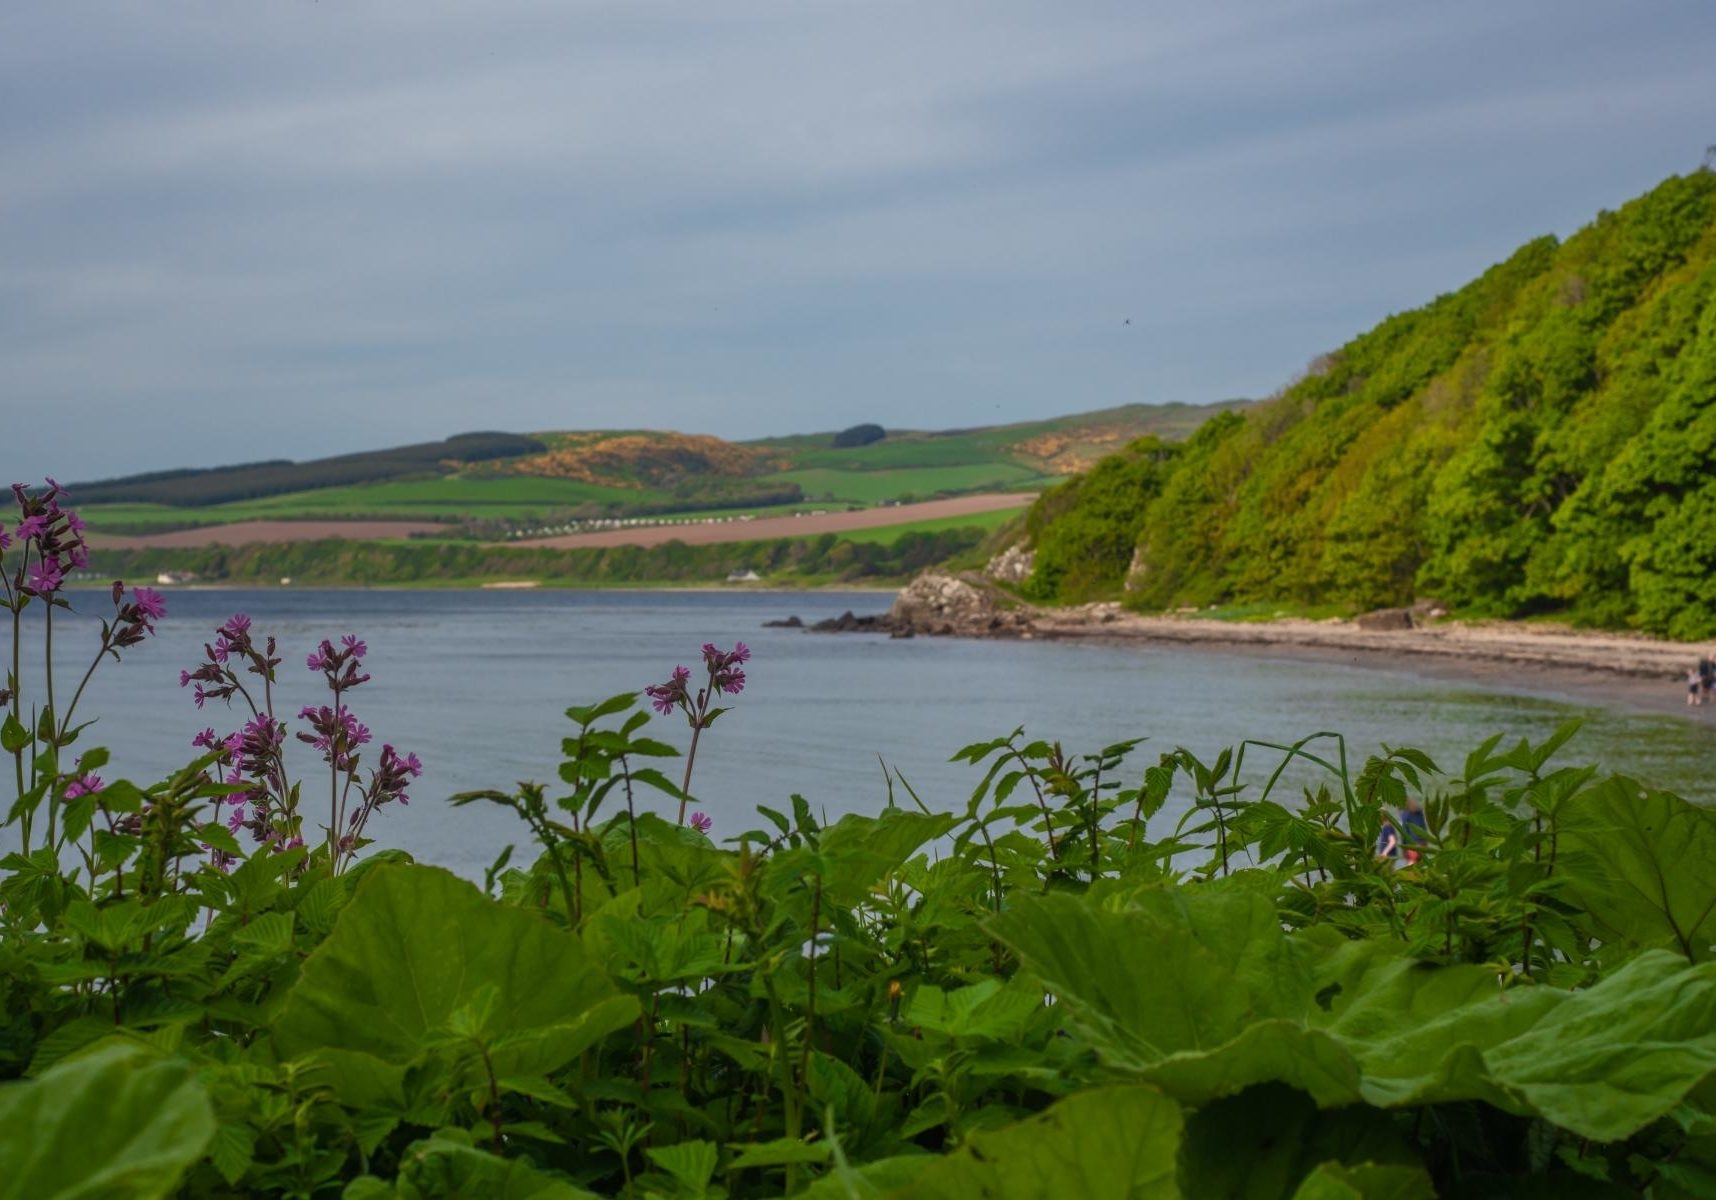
pixel 1542 440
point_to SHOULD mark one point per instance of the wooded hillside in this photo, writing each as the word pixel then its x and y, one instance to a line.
pixel 1542 440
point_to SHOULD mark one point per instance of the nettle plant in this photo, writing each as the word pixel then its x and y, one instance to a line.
pixel 1094 976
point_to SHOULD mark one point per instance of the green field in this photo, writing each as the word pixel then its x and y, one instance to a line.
pixel 904 465
pixel 880 486
pixel 449 498
pixel 887 535
pixel 991 444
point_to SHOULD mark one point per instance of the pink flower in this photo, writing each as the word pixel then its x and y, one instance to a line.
pixel 665 697
pixel 5 541
pixel 149 603
pixel 32 527
pixel 84 785
pixel 701 822
pixel 45 577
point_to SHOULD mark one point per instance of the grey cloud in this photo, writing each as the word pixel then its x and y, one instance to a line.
pixel 283 228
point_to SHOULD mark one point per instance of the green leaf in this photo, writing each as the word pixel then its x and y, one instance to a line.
pixel 117 1122
pixel 1199 966
pixel 1110 1143
pixel 1365 1181
pixel 415 946
pixel 588 714
pixel 1260 1144
pixel 870 1181
pixel 691 1163
pixel 441 1167
pixel 1210 997
pixel 13 736
pixel 989 1009
pixel 778 1153
pixel 1642 865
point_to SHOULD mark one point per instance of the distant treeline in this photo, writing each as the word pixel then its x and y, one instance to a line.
pixel 1542 441
pixel 220 485
pixel 827 557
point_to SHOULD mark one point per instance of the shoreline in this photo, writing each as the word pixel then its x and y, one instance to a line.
pixel 1610 670
pixel 169 589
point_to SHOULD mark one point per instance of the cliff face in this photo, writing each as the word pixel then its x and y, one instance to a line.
pixel 1541 441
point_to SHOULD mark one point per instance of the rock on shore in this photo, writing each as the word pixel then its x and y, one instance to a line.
pixel 961 605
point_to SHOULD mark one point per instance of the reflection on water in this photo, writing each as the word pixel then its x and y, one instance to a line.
pixel 477 683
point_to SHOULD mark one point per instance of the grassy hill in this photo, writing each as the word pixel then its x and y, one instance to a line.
pixel 1542 441
pixel 491 481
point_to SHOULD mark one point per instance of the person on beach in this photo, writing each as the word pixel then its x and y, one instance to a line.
pixel 1388 842
pixel 1706 678
pixel 1415 830
pixel 1693 686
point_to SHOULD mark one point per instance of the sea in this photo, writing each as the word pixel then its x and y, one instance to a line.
pixel 476 683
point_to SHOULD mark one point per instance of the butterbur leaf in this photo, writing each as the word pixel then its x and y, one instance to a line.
pixel 1108 1143
pixel 1210 997
pixel 416 945
pixel 118 1121
pixel 989 1009
pixel 1642 865
pixel 1262 1143
pixel 1200 965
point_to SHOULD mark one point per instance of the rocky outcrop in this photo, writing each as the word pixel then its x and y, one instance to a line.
pixel 1385 618
pixel 1013 565
pixel 963 605
pixel 850 622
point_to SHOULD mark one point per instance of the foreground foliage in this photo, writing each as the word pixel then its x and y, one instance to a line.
pixel 1057 990
pixel 1538 441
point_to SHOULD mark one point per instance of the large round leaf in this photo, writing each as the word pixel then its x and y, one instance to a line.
pixel 117 1122
pixel 418 951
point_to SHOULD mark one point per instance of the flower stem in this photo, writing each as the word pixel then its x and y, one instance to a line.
pixel 690 761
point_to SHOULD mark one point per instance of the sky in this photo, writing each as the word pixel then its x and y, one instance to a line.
pixel 297 228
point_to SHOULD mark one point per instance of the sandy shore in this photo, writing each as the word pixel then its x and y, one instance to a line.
pixel 1611 669
pixel 1607 669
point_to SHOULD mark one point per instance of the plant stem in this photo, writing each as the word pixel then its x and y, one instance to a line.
pixel 690 761
pixel 632 817
pixel 17 688
pixel 48 663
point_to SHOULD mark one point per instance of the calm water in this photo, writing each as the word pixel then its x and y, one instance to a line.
pixel 477 682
